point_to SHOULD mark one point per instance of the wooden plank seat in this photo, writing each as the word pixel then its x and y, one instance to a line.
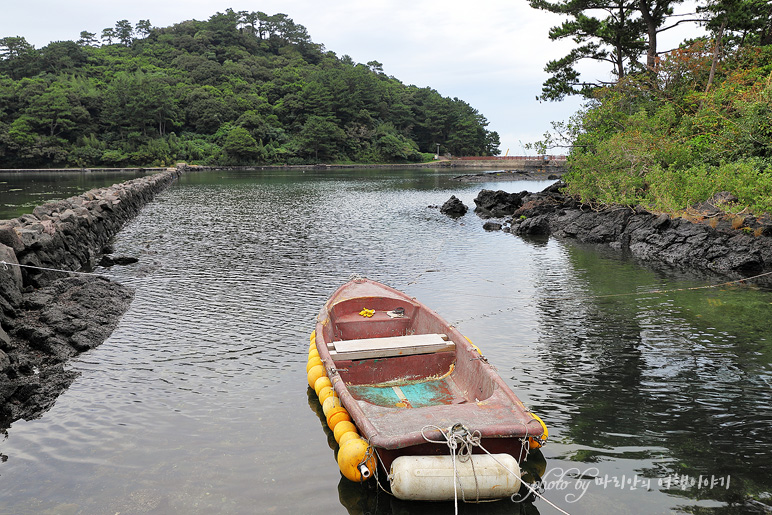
pixel 390 346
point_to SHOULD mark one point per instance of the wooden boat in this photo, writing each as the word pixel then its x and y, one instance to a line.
pixel 408 380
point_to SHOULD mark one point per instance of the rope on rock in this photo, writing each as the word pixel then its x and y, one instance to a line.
pixel 7 264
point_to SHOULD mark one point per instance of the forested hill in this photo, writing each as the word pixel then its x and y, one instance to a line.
pixel 240 88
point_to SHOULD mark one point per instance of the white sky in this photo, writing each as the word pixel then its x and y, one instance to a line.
pixel 489 53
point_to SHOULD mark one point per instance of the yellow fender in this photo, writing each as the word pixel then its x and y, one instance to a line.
pixel 356 459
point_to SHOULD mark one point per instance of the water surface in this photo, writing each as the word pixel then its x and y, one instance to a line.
pixel 21 192
pixel 198 402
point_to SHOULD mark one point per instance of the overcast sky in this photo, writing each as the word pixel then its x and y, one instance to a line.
pixel 489 53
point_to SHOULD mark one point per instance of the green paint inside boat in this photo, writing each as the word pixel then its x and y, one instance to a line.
pixel 417 394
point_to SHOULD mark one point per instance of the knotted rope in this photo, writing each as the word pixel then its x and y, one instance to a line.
pixel 461 442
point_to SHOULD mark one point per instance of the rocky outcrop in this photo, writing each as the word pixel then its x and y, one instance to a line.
pixel 47 316
pixel 454 207
pixel 497 204
pixel 723 244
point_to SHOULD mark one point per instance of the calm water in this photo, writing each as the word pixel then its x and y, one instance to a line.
pixel 198 402
pixel 20 192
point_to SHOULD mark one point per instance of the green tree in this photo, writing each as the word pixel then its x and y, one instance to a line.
pixel 22 134
pixel 57 111
pixel 180 92
pixel 124 32
pixel 206 108
pixel 393 146
pixel 108 35
pixel 654 14
pixel 88 39
pixel 320 137
pixel 614 38
pixel 612 31
pixel 144 28
pixel 62 56
pixel 17 57
pixel 240 146
pixel 742 21
pixel 141 103
pixel 15 48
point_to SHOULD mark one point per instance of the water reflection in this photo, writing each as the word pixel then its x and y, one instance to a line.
pixel 668 374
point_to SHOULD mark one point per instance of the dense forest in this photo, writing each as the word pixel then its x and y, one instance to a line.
pixel 241 88
pixel 668 128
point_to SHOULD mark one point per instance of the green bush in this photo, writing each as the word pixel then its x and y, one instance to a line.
pixel 660 144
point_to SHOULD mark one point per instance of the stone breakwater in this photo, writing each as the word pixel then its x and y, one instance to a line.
pixel 48 316
pixel 710 240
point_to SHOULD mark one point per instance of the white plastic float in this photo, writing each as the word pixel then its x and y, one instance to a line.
pixel 435 478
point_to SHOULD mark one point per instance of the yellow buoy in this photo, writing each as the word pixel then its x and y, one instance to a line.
pixel 343 427
pixel 313 336
pixel 313 353
pixel 326 392
pixel 533 443
pixel 315 373
pixel 345 437
pixel 312 362
pixel 336 415
pixel 321 383
pixel 356 460
pixel 330 402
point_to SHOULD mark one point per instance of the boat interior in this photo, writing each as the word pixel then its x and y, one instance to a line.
pixel 397 355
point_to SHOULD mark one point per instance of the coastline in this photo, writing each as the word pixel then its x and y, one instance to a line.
pixel 709 239
pixel 442 163
pixel 510 176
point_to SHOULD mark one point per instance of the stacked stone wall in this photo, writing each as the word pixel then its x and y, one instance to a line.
pixel 47 316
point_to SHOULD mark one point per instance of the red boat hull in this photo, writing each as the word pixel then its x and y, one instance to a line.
pixel 401 394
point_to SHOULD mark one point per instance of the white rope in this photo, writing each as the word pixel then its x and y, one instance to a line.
pixel 452 443
pixel 7 264
pixel 529 487
pixel 469 440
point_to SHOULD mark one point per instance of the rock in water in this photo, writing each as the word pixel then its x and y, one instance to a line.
pixel 454 207
pixel 497 204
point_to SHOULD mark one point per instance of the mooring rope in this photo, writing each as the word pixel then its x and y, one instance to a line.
pixel 593 297
pixel 657 292
pixel 433 263
pixel 6 264
pixel 459 436
pixel 452 439
pixel 628 294
pixel 523 483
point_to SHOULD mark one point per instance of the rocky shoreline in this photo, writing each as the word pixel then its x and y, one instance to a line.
pixel 510 175
pixel 48 316
pixel 710 239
